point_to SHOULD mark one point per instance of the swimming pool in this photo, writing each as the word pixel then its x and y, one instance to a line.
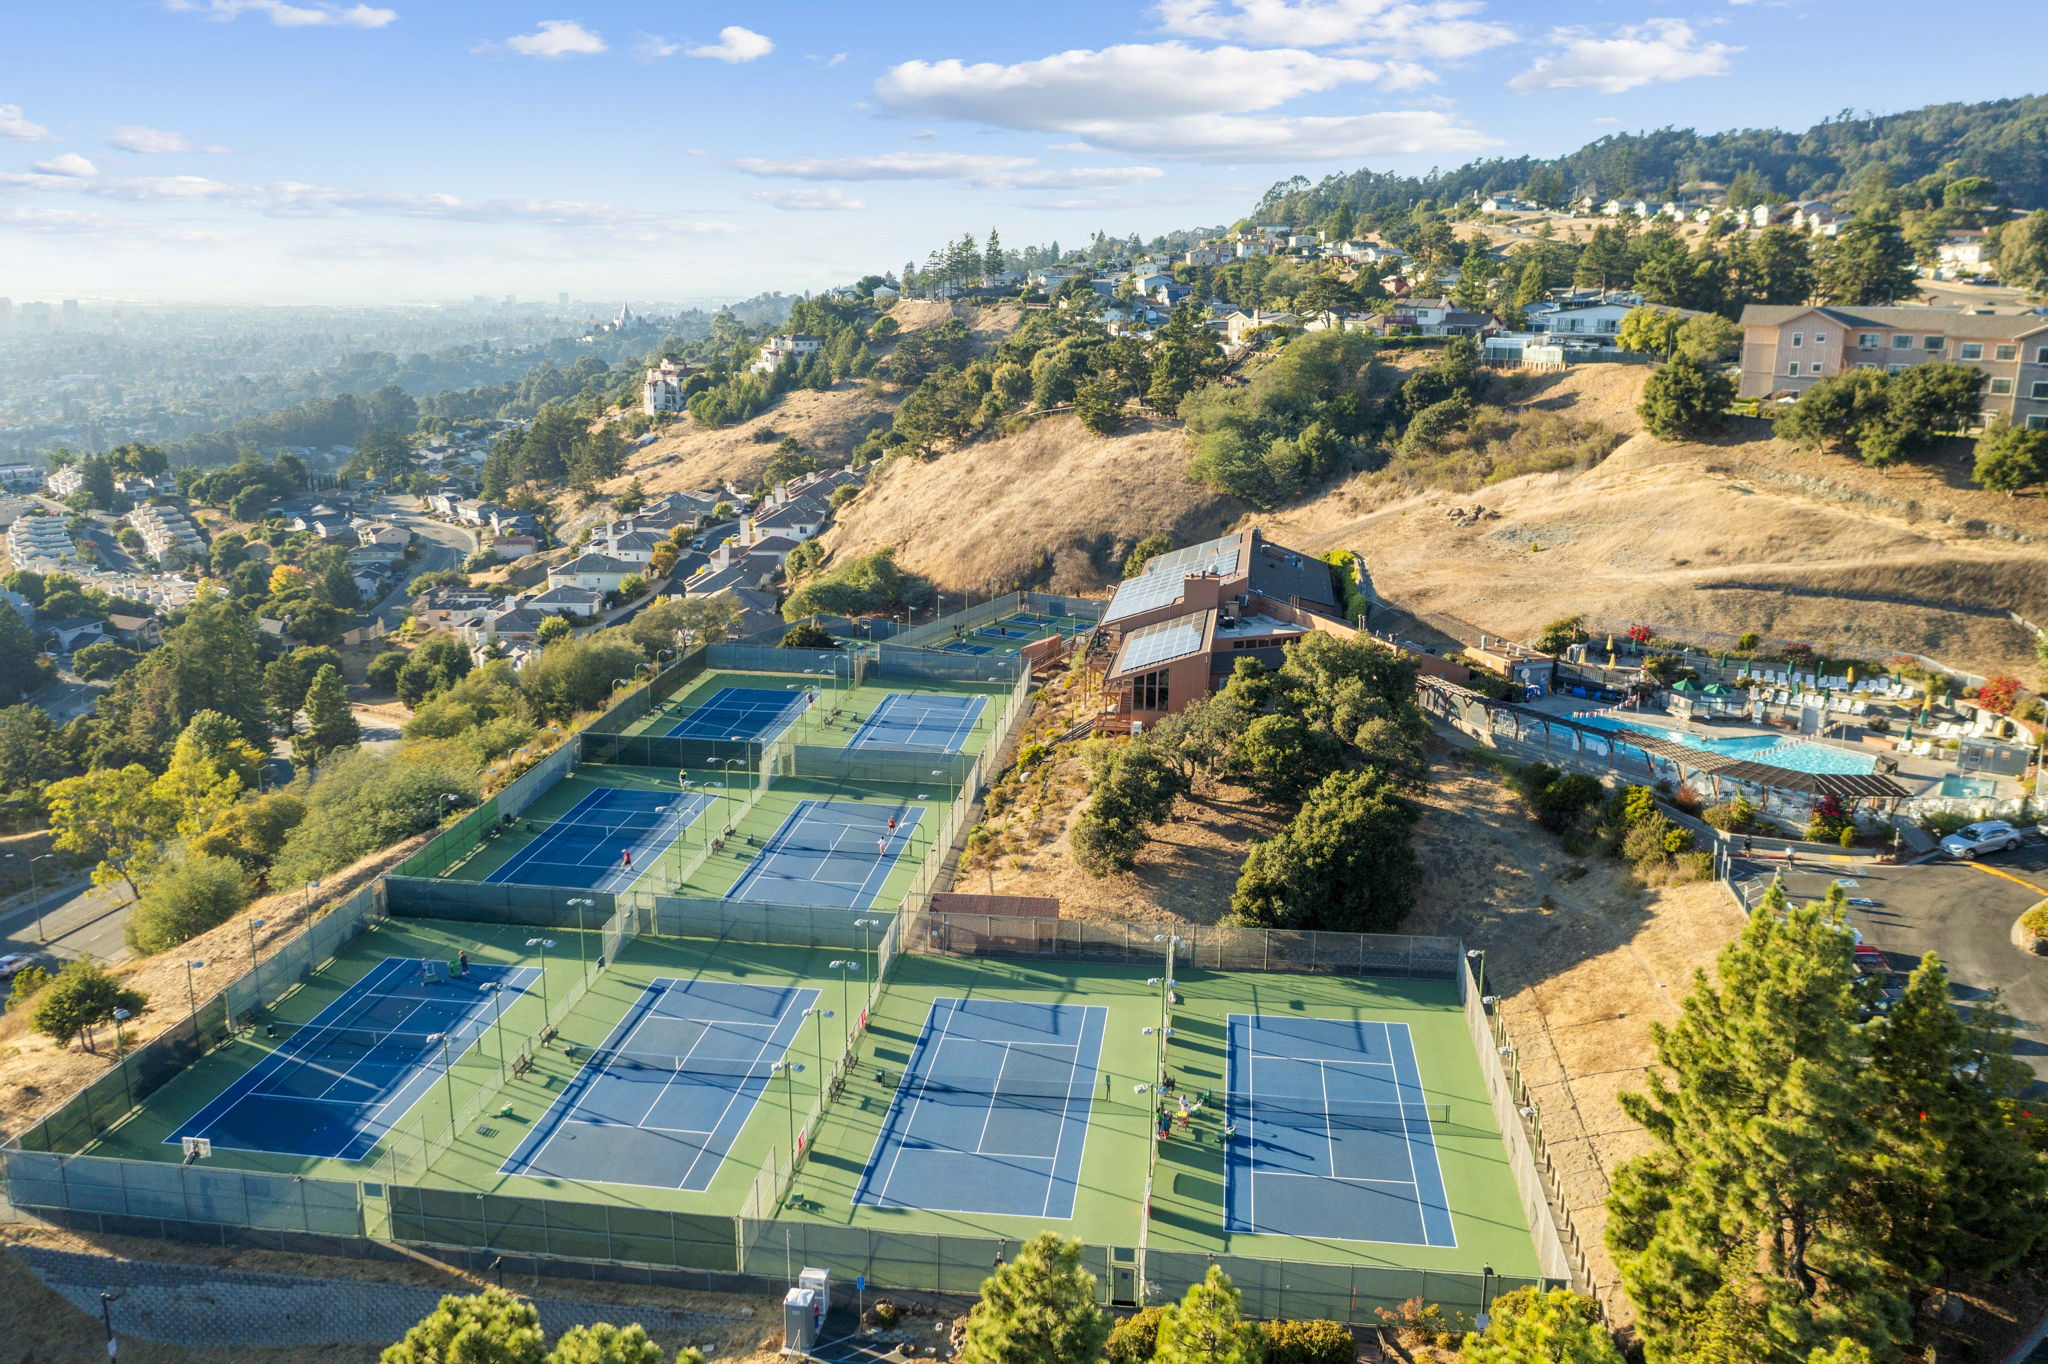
pixel 1792 754
pixel 1957 787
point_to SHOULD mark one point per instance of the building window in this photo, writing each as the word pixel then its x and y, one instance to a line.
pixel 2001 387
pixel 1901 341
pixel 2041 390
pixel 2006 351
pixel 1820 338
pixel 1972 350
pixel 1868 340
pixel 1893 369
pixel 2037 422
pixel 1933 343
pixel 1798 339
pixel 1148 692
pixel 2041 356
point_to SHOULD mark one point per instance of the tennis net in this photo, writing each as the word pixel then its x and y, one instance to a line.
pixel 622 1061
pixel 1313 1111
pixel 637 826
pixel 337 1041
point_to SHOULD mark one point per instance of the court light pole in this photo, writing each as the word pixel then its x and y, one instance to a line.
pixel 191 987
pixel 845 967
pixel 790 1070
pixel 120 1016
pixel 818 1036
pixel 581 905
pixel 36 893
pixel 727 765
pixel 543 944
pixel 254 924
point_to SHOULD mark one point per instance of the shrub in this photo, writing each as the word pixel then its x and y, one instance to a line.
pixel 1733 817
pixel 185 900
pixel 1695 866
pixel 2034 921
pixel 1132 1340
pixel 382 674
pixel 1849 836
pixel 886 1315
pixel 1308 1342
pixel 81 997
pixel 1749 641
pixel 27 981
pixel 1645 847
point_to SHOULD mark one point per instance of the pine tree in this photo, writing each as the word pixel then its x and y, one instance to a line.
pixel 1685 398
pixel 1952 1185
pixel 1206 1327
pixel 1760 1139
pixel 1037 1309
pixel 18 671
pixel 992 255
pixel 491 1327
pixel 330 724
pixel 1868 263
pixel 604 1343
pixel 1559 1326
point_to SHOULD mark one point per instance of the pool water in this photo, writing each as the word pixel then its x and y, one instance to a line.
pixel 1968 788
pixel 1791 754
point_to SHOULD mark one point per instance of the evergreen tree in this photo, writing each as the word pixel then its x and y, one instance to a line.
pixel 1206 1327
pixel 1777 267
pixel 2010 458
pixel 207 662
pixel 19 674
pixel 211 766
pixel 1685 398
pixel 1760 1136
pixel 1952 1185
pixel 1868 263
pixel 330 724
pixel 1037 1309
pixel 1346 863
pixel 491 1327
pixel 1559 1326
pixel 604 1343
pixel 992 255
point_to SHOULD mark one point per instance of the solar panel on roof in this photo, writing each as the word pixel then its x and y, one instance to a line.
pixel 1170 639
pixel 1216 556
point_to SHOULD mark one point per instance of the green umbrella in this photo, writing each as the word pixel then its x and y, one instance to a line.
pixel 1909 729
pixel 1683 685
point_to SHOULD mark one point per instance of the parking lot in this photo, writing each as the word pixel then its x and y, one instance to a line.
pixel 1962 911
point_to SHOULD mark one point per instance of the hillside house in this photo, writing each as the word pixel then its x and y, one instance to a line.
pixel 599 572
pixel 1965 252
pixel 39 542
pixel 69 635
pixel 565 600
pixel 796 520
pixel 1787 347
pixel 66 481
pixel 787 348
pixel 666 388
pixel 1179 627
pixel 628 546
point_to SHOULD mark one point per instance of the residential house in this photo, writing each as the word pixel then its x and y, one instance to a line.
pixel 69 635
pixel 819 485
pixel 1506 203
pixel 666 387
pixel 39 542
pixel 759 610
pixel 1238 325
pixel 599 571
pixel 519 625
pixel 1179 627
pixel 798 520
pixel 1586 318
pixel 1787 347
pixel 66 481
pixel 1439 317
pixel 22 606
pixel 381 534
pixel 886 293
pixel 142 632
pixel 749 570
pixel 439 607
pixel 565 600
pixel 514 546
pixel 630 546
pixel 166 532
pixel 1965 252
pixel 787 348
pixel 20 478
pixel 1208 255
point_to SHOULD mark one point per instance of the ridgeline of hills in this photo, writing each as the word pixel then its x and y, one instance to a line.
pixel 2003 140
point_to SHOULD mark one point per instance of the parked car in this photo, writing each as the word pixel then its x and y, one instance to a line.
pixel 14 963
pixel 1992 835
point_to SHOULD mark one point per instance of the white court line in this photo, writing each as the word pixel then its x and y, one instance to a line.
pixel 1329 1124
pixel 910 1117
pixel 996 1094
pixel 760 1054
pixel 526 854
pixel 1059 1138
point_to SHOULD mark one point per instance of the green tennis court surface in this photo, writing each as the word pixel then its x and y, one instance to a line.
pixel 1101 1146
pixel 743 707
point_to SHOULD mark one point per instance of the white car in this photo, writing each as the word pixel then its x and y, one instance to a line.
pixel 1993 835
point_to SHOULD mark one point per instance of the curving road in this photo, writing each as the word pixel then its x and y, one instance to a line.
pixel 442 546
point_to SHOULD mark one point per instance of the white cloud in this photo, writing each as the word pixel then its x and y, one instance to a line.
pixel 13 125
pixel 835 59
pixel 989 172
pixel 133 137
pixel 808 200
pixel 285 15
pixel 70 163
pixel 1173 100
pixel 653 47
pixel 1127 82
pixel 1638 54
pixel 1428 28
pixel 554 39
pixel 735 45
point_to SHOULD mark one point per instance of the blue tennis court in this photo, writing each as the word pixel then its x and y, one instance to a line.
pixel 831 853
pixel 940 724
pixel 751 714
pixel 336 1085
pixel 1334 1137
pixel 661 1102
pixel 992 1113
pixel 962 647
pixel 1007 632
pixel 606 841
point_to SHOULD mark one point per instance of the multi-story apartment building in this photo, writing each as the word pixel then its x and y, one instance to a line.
pixel 1786 348
pixel 36 542
pixel 664 390
pixel 165 531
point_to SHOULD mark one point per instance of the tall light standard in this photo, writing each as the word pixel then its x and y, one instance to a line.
pixel 581 905
pixel 191 988
pixel 818 1036
pixel 497 988
pixel 254 924
pixel 306 900
pixel 107 1301
pixel 120 1016
pixel 1165 983
pixel 845 967
pixel 543 944
pixel 728 765
pixel 789 1070
pixel 36 893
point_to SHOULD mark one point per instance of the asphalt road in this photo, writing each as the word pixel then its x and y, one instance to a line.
pixel 77 920
pixel 1963 912
pixel 442 546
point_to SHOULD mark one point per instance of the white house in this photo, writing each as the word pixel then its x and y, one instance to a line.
pixel 776 351
pixel 663 389
pixel 599 572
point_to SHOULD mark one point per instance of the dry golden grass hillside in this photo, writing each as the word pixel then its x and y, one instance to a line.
pixel 1053 505
pixel 688 457
pixel 1747 533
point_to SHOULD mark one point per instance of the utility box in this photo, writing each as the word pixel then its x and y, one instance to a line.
pixel 800 1318
pixel 818 1281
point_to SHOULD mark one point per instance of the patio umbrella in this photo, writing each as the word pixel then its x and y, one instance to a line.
pixel 1909 729
pixel 1852 674
pixel 1610 646
pixel 1682 685
pixel 1610 654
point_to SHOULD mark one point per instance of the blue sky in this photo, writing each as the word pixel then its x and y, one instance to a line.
pixel 391 150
